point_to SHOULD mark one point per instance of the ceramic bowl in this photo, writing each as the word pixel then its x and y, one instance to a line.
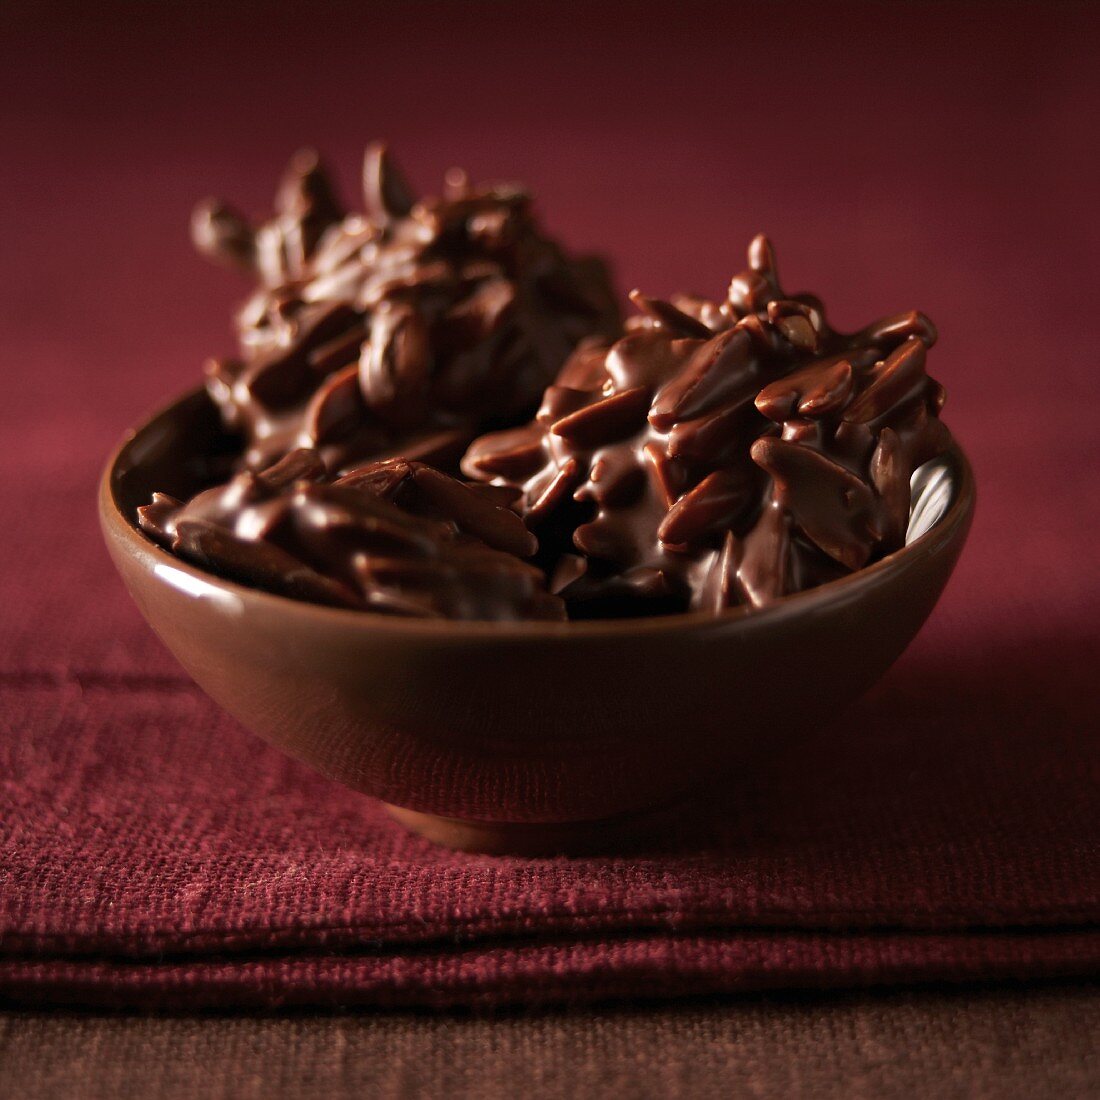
pixel 521 736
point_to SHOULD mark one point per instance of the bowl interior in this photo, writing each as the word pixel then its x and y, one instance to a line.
pixel 184 448
pixel 179 450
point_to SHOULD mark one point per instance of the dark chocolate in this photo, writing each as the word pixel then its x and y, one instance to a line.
pixel 402 331
pixel 723 453
pixel 396 537
pixel 712 454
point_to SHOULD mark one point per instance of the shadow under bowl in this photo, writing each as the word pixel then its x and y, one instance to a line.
pixel 520 737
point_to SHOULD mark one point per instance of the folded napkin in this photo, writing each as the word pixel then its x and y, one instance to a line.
pixel 153 853
pixel 156 854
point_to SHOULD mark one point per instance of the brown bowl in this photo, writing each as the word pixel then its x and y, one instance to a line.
pixel 520 736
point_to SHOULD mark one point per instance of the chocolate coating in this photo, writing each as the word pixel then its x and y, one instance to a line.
pixel 722 453
pixel 399 332
pixel 712 454
pixel 395 536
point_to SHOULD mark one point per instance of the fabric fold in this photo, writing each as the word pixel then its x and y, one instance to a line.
pixel 584 972
pixel 154 853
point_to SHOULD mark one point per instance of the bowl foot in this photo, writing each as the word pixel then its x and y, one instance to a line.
pixel 615 835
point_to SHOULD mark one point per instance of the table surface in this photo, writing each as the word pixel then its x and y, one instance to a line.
pixel 997 1044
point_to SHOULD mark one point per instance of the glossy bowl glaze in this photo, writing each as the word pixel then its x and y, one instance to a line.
pixel 520 736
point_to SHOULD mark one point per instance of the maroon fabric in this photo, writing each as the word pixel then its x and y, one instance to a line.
pixel 947 827
pixel 538 974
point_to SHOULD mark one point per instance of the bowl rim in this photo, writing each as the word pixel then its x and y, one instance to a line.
pixel 120 526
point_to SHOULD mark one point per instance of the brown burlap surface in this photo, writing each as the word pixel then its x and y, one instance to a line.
pixel 1004 1043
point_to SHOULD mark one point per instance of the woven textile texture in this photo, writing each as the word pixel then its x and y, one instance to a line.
pixel 983 1045
pixel 945 828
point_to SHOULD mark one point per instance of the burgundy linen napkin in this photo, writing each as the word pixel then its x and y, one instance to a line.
pixel 945 828
pixel 154 853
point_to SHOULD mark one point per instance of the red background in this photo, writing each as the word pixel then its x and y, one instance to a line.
pixel 934 156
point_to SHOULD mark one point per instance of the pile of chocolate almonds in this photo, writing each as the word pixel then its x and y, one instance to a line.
pixel 441 414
